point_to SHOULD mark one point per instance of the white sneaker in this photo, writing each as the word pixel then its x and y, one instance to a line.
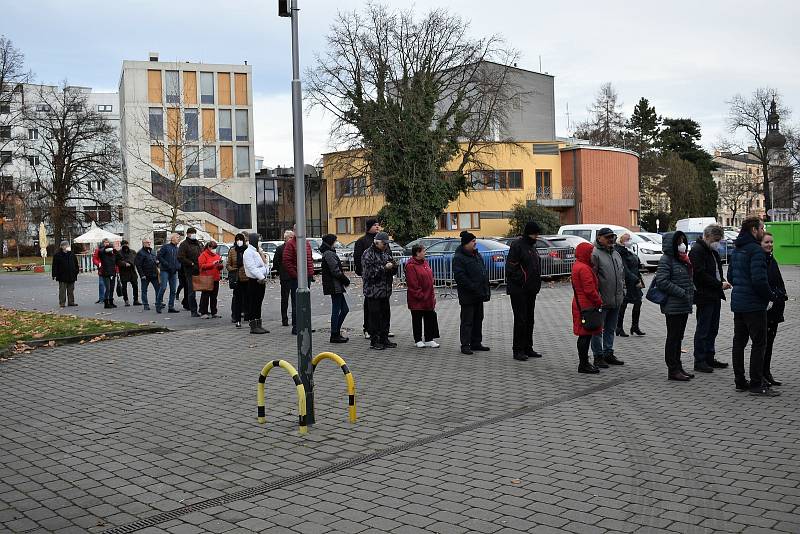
pixel 421 344
pixel 366 334
pixel 206 316
pixel 432 344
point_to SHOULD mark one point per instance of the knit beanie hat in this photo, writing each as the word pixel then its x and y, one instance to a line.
pixel 532 228
pixel 329 239
pixel 466 237
pixel 369 224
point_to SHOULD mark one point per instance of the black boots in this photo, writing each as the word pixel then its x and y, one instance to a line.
pixel 520 356
pixel 256 328
pixel 610 359
pixel 338 338
pixel 621 333
pixel 585 367
pixel 600 362
pixel 637 331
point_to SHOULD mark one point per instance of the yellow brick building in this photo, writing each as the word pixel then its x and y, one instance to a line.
pixel 521 171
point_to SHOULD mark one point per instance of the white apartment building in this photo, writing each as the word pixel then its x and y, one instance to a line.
pixel 186 132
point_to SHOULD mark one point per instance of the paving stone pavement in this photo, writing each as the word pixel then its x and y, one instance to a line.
pixel 102 437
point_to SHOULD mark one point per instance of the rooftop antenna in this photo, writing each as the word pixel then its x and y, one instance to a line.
pixel 569 126
pixel 540 63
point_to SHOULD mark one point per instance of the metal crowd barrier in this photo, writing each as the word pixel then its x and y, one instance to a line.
pixel 85 263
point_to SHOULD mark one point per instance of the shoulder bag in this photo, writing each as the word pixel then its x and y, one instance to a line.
pixel 654 294
pixel 591 318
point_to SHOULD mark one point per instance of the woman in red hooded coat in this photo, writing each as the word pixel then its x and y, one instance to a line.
pixel 586 295
pixel 421 298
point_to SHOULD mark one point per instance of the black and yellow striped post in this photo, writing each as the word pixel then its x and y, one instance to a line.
pixel 351 383
pixel 301 392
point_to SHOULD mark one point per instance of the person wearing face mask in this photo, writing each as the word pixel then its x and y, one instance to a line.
pixel 147 267
pixel 126 265
pixel 775 311
pixel 610 271
pixel 108 266
pixel 255 267
pixel 210 265
pixel 633 286
pixel 710 286
pixel 237 278
pixel 167 258
pixel 65 270
pixel 674 278
pixel 189 254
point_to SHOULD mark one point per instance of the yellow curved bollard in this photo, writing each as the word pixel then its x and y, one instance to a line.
pixel 301 392
pixel 351 383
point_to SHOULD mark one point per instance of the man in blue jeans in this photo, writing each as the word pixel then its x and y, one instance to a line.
pixel 607 264
pixel 147 267
pixel 168 262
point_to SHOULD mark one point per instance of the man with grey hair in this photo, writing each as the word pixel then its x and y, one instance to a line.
pixel 710 286
pixel 283 275
pixel 65 270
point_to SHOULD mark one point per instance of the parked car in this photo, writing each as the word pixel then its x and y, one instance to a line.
pixel 345 253
pixel 556 253
pixel 726 248
pixel 424 241
pixel 589 231
pixel 650 236
pixel 440 258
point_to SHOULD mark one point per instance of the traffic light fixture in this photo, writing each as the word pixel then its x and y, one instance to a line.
pixel 285 8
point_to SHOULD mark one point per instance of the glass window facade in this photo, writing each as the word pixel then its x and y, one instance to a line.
pixel 225 130
pixel 242 161
pixel 172 85
pixel 242 125
pixel 275 204
pixel 209 162
pixel 190 124
pixel 206 88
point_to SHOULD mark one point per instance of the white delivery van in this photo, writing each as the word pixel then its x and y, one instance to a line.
pixel 649 254
pixel 694 224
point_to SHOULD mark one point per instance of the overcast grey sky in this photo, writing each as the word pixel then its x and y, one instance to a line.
pixel 686 57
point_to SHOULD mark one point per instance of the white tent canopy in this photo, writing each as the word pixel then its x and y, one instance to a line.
pixel 96 235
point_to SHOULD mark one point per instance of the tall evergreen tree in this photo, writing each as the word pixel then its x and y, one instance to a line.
pixel 681 136
pixel 606 124
pixel 644 128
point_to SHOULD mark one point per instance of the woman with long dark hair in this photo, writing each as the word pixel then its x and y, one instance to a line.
pixel 775 311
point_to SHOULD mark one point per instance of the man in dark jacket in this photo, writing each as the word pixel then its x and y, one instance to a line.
pixel 710 286
pixel 378 269
pixel 126 264
pixel 283 275
pixel 523 282
pixel 108 267
pixel 167 259
pixel 610 271
pixel 65 270
pixel 147 267
pixel 750 298
pixel 289 262
pixel 364 243
pixel 472 282
pixel 188 254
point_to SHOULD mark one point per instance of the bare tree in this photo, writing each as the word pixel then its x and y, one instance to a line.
pixel 418 103
pixel 606 124
pixel 75 158
pixel 748 118
pixel 736 191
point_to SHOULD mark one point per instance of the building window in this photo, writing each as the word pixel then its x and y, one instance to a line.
pixel 496 180
pixel 352 186
pixel 99 214
pixel 96 185
pixel 156 123
pixel 206 87
pixel 190 123
pixel 544 183
pixel 36 186
pixel 225 130
pixel 105 108
pixel 343 226
pixel 242 161
pixel 42 108
pixel 5 157
pixel 242 126
pixel 360 224
pixel 33 160
pixel 5 109
pixel 546 149
pixel 209 162
pixel 5 132
pixel 634 217
pixel 173 86
pixel 192 162
pixel 33 134
pixel 6 183
pixel 460 221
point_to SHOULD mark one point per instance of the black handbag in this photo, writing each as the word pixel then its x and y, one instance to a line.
pixel 233 278
pixel 591 318
pixel 119 288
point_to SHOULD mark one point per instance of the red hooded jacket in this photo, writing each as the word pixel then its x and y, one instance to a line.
pixel 208 264
pixel 419 281
pixel 289 258
pixel 584 280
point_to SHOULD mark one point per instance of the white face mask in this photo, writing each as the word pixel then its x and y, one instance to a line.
pixel 67 249
pixel 240 243
pixel 716 245
pixel 628 244
pixel 682 248
pixel 110 249
pixel 192 236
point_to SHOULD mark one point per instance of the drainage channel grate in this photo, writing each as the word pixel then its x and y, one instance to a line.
pixel 288 481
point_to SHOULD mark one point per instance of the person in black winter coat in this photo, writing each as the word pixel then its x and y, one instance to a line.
pixel 523 283
pixel 379 268
pixel 472 283
pixel 147 267
pixel 65 270
pixel 126 264
pixel 633 286
pixel 372 227
pixel 710 286
pixel 169 266
pixel 283 276
pixel 108 266
pixel 334 283
pixel 774 312
pixel 188 254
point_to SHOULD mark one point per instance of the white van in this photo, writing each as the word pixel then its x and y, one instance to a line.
pixel 649 253
pixel 694 224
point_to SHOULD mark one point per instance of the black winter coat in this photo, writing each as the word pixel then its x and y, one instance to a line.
pixel 334 281
pixel 523 268
pixel 277 263
pixel 633 276
pixel 775 314
pixel 364 242
pixel 126 263
pixel 673 277
pixel 168 258
pixel 65 267
pixel 147 264
pixel 108 261
pixel 708 277
pixel 747 273
pixel 188 254
pixel 472 281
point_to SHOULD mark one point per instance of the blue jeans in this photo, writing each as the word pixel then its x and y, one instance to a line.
pixel 603 344
pixel 339 311
pixel 706 332
pixel 170 279
pixel 149 281
pixel 101 286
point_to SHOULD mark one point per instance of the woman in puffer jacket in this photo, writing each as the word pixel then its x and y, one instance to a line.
pixel 585 296
pixel 674 279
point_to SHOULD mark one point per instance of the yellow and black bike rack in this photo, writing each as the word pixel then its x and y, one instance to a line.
pixel 301 392
pixel 351 383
